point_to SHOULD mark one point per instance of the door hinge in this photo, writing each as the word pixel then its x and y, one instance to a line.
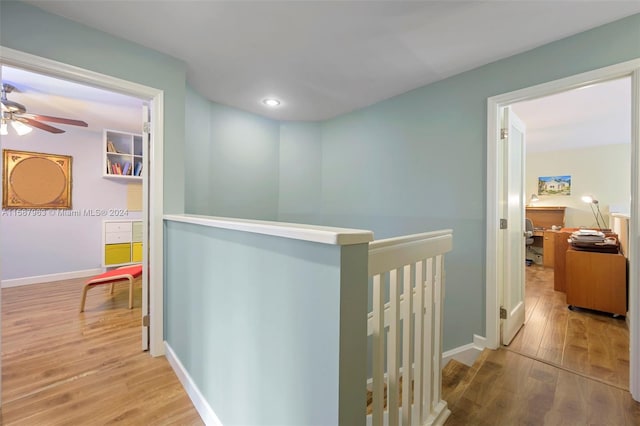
pixel 504 133
pixel 146 127
pixel 503 313
pixel 145 321
pixel 503 223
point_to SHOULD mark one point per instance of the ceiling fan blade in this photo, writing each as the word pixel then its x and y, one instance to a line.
pixel 59 120
pixel 39 125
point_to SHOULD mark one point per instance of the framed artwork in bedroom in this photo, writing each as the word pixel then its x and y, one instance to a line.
pixel 34 180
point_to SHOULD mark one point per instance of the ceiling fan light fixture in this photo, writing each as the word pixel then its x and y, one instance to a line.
pixel 20 128
pixel 3 128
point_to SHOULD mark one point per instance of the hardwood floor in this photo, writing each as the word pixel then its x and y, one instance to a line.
pixel 592 344
pixel 61 367
pixel 563 368
pixel 507 388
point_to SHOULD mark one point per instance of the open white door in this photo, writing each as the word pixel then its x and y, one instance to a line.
pixel 512 238
pixel 146 141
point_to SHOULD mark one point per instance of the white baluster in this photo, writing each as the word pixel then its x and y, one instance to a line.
pixel 407 342
pixel 418 358
pixel 427 336
pixel 393 348
pixel 378 350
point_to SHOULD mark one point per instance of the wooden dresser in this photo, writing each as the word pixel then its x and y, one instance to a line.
pixel 596 281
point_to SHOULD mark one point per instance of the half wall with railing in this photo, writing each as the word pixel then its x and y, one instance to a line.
pixel 266 322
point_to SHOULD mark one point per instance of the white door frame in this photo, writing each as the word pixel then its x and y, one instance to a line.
pixel 494 257
pixel 152 186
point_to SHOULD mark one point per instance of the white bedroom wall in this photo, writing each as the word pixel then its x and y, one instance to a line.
pixel 34 246
pixel 602 171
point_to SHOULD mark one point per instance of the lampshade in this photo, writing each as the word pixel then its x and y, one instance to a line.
pixel 534 198
pixel 20 128
pixel 589 199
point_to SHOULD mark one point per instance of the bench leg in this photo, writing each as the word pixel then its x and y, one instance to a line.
pixel 84 296
pixel 130 292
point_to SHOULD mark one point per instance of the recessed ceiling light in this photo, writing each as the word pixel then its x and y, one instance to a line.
pixel 271 102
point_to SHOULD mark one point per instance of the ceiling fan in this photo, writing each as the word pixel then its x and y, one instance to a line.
pixel 23 122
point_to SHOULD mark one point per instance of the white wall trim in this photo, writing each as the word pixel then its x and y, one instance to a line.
pixel 298 231
pixel 480 341
pixel 38 279
pixel 153 214
pixel 199 402
pixel 153 194
pixel 634 242
pixel 466 354
pixel 494 261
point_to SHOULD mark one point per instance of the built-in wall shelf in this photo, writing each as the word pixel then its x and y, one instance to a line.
pixel 122 155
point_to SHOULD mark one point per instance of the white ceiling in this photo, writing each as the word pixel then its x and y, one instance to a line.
pixel 325 58
pixel 594 115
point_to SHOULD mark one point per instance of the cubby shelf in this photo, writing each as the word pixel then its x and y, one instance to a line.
pixel 122 155
pixel 122 242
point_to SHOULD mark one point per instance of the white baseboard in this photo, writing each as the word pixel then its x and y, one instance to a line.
pixel 38 279
pixel 199 402
pixel 466 354
pixel 480 341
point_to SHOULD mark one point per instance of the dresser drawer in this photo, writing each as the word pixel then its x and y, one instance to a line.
pixel 115 254
pixel 117 227
pixel 117 237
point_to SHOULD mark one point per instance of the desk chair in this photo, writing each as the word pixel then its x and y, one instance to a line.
pixel 528 230
pixel 126 273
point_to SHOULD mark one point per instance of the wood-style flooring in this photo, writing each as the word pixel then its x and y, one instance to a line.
pixel 563 368
pixel 507 388
pixel 589 343
pixel 62 367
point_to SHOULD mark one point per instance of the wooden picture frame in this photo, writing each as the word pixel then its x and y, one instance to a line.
pixel 34 180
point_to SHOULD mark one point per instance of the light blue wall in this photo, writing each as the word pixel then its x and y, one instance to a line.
pixel 29 29
pixel 415 162
pixel 300 172
pixel 418 161
pixel 291 347
pixel 232 161
pixel 197 144
pixel 244 164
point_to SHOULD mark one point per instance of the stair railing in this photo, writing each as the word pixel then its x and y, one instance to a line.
pixel 407 331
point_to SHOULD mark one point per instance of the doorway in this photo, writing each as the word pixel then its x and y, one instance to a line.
pixel 495 261
pixel 573 140
pixel 152 190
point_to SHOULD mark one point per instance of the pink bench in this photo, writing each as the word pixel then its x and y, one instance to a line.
pixel 111 277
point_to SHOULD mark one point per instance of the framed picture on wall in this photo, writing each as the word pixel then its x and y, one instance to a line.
pixel 554 185
pixel 35 180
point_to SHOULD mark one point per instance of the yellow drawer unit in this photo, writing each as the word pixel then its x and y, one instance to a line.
pixel 121 242
pixel 136 252
pixel 115 254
